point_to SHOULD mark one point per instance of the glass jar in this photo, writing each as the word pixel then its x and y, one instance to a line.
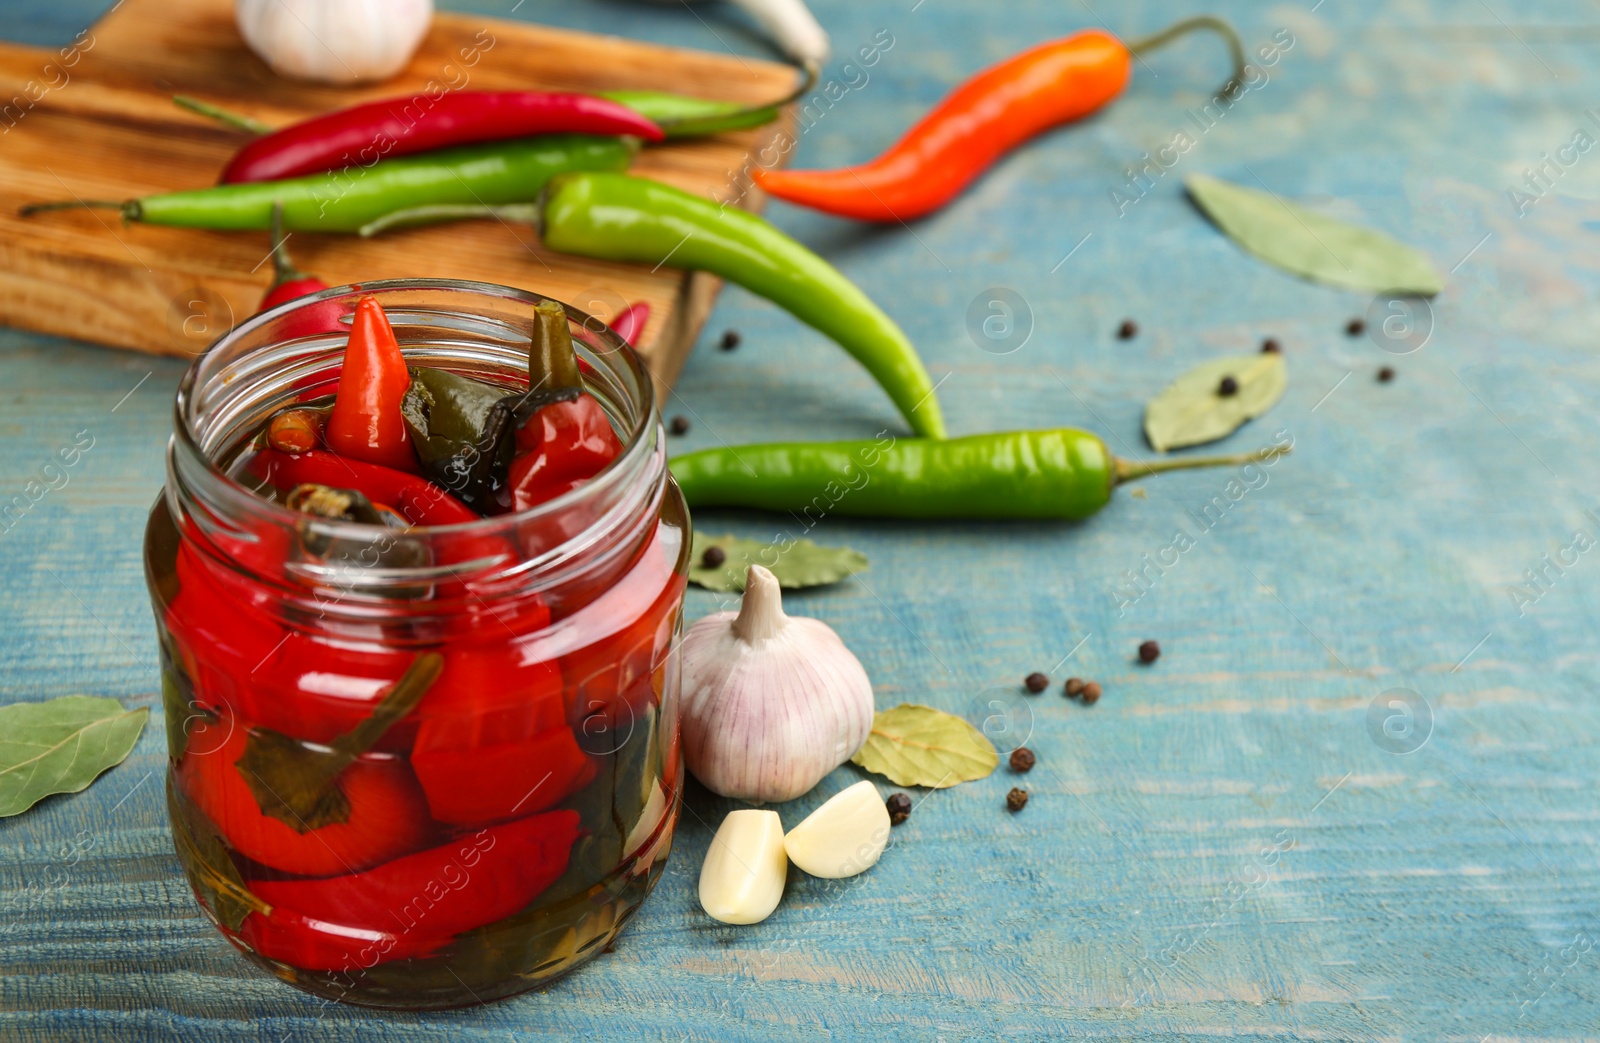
pixel 362 843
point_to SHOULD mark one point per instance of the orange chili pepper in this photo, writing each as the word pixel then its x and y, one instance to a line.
pixel 984 118
pixel 366 422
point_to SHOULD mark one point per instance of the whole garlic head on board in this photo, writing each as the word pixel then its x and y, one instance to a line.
pixel 334 41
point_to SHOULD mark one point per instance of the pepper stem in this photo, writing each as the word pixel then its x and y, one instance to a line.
pixel 807 81
pixel 221 115
pixel 127 209
pixel 552 360
pixel 1209 23
pixel 1127 470
pixel 283 269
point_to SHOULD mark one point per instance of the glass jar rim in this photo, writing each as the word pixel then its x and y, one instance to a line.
pixel 637 444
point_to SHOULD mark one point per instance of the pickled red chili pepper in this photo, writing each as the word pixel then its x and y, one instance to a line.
pixel 559 448
pixel 217 626
pixel 362 134
pixel 561 444
pixel 366 422
pixel 388 815
pixel 418 500
pixel 491 742
pixel 986 117
pixel 414 904
pixel 494 739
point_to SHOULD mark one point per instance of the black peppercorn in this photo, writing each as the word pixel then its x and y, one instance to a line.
pixel 1149 652
pixel 1128 330
pixel 899 806
pixel 1022 759
pixel 1074 687
pixel 1016 800
pixel 1385 374
pixel 1091 693
pixel 730 340
pixel 679 425
pixel 713 557
pixel 1271 346
pixel 1355 328
pixel 1036 682
pixel 1228 387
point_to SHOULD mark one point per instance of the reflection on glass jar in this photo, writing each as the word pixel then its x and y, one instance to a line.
pixel 427 767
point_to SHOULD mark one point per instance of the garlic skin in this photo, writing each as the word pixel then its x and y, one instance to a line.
pixel 742 878
pixel 334 41
pixel 770 703
pixel 844 837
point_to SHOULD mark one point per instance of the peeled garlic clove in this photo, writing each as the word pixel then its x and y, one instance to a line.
pixel 647 831
pixel 742 878
pixel 843 837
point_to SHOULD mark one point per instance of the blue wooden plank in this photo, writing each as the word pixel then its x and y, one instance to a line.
pixel 1220 845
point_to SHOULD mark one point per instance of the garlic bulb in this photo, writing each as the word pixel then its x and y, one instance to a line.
pixel 334 41
pixel 770 704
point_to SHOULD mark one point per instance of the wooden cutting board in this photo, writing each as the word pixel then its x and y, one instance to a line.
pixel 96 121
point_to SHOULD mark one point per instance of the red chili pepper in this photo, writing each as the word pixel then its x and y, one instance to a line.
pixel 984 118
pixel 287 289
pixel 366 423
pixel 222 627
pixel 388 815
pixel 317 688
pixel 619 670
pixel 363 134
pixel 414 904
pixel 290 283
pixel 559 448
pixel 630 321
pixel 420 503
pixel 418 500
pixel 494 741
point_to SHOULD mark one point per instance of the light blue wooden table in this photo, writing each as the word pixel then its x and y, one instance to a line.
pixel 1229 842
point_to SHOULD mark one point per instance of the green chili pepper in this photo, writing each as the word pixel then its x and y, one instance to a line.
pixel 344 200
pixel 680 116
pixel 619 218
pixel 614 217
pixel 1060 473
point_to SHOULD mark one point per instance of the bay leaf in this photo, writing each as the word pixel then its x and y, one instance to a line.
pixel 1313 245
pixel 914 745
pixel 1192 410
pixel 800 563
pixel 61 746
